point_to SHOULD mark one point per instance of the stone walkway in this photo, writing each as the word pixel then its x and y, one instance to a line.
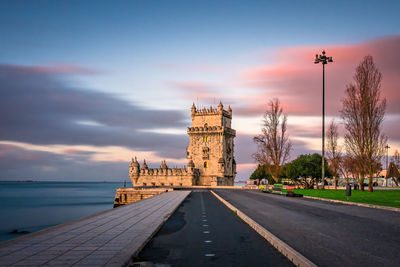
pixel 109 238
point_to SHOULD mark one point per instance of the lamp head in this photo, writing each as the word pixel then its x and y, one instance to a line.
pixel 316 61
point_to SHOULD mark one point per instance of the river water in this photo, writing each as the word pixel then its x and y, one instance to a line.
pixel 31 206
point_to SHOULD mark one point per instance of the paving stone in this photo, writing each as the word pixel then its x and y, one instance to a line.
pixel 94 260
pixel 109 238
pixel 30 262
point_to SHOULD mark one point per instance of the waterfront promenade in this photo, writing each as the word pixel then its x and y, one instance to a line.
pixel 202 231
pixel 109 238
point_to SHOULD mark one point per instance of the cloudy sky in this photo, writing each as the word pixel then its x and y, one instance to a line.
pixel 86 85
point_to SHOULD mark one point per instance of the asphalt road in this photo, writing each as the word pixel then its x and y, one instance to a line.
pixel 328 234
pixel 204 232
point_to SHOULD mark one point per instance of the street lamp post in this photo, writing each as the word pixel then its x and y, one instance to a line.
pixel 324 60
pixel 387 163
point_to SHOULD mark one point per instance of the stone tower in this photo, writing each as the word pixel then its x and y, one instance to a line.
pixel 211 145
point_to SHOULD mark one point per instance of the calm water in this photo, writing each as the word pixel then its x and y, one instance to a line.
pixel 34 206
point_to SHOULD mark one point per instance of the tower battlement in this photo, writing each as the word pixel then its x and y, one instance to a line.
pixel 163 176
pixel 211 116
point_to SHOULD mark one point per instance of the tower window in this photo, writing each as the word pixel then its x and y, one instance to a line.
pixel 205 164
pixel 205 152
pixel 205 139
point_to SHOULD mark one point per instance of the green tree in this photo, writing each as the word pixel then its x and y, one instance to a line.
pixel 262 173
pixel 306 170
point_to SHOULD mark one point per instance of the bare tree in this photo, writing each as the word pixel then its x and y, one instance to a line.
pixel 273 144
pixel 363 113
pixel 346 167
pixel 333 151
pixel 396 158
pixel 350 168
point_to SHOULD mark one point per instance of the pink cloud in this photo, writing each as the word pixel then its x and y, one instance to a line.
pixel 311 131
pixel 297 81
pixel 7 147
pixel 244 170
pixel 12 152
pixel 63 69
pixel 71 151
pixel 391 129
pixel 193 89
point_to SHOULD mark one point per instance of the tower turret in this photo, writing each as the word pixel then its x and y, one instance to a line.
pixel 134 170
pixel 193 110
pixel 220 107
pixel 164 165
pixel 144 166
pixel 191 166
pixel 134 167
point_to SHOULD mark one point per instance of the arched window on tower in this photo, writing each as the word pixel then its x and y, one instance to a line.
pixel 205 164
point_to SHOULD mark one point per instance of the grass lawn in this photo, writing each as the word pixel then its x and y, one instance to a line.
pixel 389 198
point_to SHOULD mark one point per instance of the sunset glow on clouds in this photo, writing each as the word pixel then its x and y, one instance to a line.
pixel 297 81
pixel 82 95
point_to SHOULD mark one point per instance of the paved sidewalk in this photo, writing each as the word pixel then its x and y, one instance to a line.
pixel 108 238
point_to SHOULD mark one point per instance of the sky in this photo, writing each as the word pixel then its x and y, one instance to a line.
pixel 87 85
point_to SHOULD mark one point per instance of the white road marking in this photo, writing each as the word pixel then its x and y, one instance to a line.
pixel 209 255
pixel 205 225
pixel 206 232
pixel 208 241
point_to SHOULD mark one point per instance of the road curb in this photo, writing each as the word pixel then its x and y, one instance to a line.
pixel 355 204
pixel 294 256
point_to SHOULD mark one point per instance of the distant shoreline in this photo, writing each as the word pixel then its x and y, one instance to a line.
pixel 52 181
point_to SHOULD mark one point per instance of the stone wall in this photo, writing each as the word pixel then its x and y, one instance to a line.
pixel 129 195
pixel 163 176
pixel 166 180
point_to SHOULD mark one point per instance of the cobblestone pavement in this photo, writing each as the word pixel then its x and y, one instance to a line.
pixel 107 238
